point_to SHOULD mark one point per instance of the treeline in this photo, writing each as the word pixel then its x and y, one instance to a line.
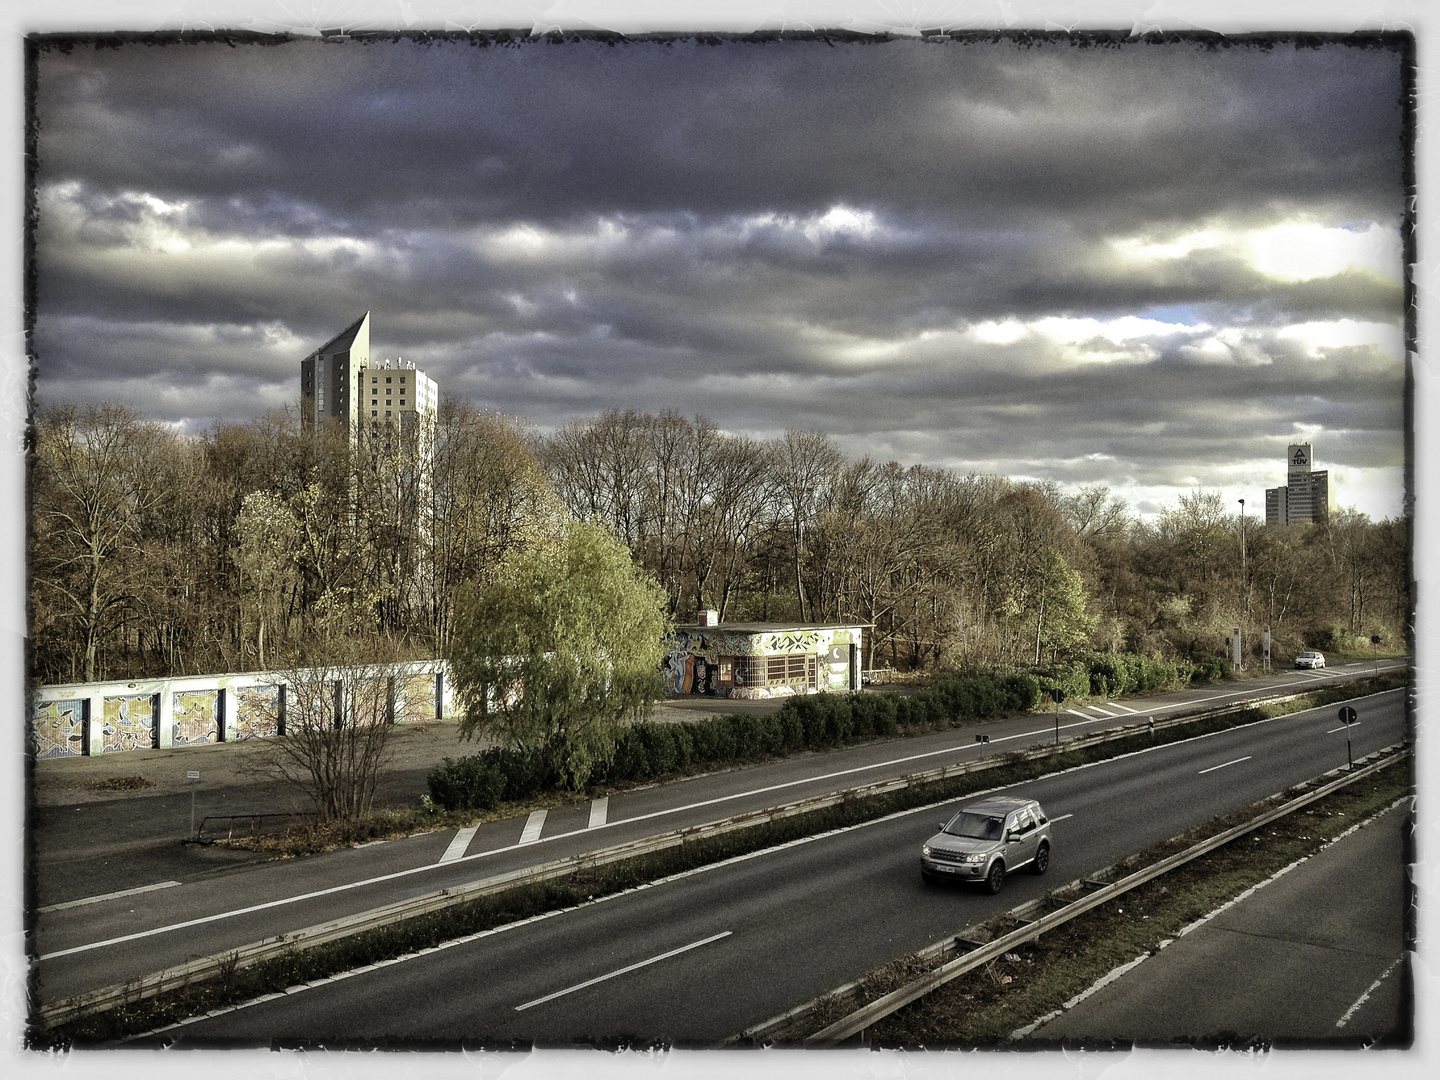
pixel 155 553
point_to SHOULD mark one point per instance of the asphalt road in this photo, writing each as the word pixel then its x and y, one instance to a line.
pixel 704 956
pixel 1316 958
pixel 207 907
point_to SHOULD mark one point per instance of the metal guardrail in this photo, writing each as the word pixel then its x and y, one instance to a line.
pixel 147 986
pixel 199 836
pixel 857 1021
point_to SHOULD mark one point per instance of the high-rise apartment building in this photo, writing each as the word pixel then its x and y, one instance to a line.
pixel 339 383
pixel 1306 494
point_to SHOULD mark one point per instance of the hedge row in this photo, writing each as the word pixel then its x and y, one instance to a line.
pixel 810 722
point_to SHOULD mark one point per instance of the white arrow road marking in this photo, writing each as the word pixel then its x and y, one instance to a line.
pixel 1237 761
pixel 458 845
pixel 623 971
pixel 533 824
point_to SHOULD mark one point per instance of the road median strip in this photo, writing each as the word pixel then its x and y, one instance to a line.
pixel 1090 892
pixel 806 816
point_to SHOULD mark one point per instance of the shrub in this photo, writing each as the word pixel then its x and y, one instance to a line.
pixel 660 751
pixel 474 782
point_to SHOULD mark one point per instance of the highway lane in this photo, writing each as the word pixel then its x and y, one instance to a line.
pixel 776 929
pixel 100 944
pixel 107 846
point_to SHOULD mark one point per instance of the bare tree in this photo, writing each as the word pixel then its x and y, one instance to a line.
pixel 337 723
pixel 95 484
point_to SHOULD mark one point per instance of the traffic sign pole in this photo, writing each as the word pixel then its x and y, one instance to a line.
pixel 1348 716
pixel 193 775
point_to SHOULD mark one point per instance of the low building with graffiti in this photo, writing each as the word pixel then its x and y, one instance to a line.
pixel 763 660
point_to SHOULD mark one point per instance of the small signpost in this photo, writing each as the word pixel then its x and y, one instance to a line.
pixel 1374 656
pixel 1059 696
pixel 1348 717
pixel 193 775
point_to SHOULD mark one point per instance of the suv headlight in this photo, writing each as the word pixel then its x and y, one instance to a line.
pixel 925 851
pixel 975 857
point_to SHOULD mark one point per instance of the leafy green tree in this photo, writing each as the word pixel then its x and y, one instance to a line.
pixel 560 649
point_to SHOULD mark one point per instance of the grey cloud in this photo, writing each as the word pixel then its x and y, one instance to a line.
pixel 995 177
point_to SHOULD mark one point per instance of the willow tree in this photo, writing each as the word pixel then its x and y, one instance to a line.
pixel 560 649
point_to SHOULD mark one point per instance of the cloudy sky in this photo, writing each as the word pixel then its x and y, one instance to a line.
pixel 1147 266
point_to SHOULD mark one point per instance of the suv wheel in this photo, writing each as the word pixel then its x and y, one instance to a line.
pixel 996 878
pixel 1042 859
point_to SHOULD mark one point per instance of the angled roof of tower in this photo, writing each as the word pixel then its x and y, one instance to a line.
pixel 343 341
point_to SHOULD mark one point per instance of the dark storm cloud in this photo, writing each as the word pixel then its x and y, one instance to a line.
pixel 1151 264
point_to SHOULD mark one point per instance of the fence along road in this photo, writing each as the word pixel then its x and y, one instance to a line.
pixel 109 942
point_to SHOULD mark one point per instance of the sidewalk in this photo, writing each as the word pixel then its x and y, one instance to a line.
pixel 1316 958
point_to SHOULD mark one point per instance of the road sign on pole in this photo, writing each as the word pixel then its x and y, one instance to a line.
pixel 1058 695
pixel 1348 716
pixel 192 775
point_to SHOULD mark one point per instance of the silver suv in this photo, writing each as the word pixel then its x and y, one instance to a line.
pixel 987 840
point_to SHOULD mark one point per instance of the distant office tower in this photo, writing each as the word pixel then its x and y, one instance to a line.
pixel 1306 494
pixel 339 383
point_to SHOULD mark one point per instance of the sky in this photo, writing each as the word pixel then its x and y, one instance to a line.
pixel 1145 266
pixel 1022 186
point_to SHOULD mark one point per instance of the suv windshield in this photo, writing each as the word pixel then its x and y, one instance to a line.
pixel 975 826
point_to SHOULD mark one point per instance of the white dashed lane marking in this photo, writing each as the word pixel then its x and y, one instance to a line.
pixel 533 824
pixel 457 847
pixel 598 809
pixel 623 971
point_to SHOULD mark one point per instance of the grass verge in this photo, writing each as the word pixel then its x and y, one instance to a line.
pixel 236 984
pixel 982 1008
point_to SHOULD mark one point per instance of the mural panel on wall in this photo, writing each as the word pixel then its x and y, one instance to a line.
pixel 195 717
pixel 415 699
pixel 58 729
pixel 257 712
pixel 129 723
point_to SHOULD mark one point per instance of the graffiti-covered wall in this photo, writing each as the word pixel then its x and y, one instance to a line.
pixel 110 717
pixel 747 661
pixel 59 729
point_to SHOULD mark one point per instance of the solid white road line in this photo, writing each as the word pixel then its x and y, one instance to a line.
pixel 598 809
pixel 533 824
pixel 1062 817
pixel 458 845
pixel 1350 1012
pixel 284 900
pixel 108 896
pixel 622 971
pixel 1237 761
pixel 1342 727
